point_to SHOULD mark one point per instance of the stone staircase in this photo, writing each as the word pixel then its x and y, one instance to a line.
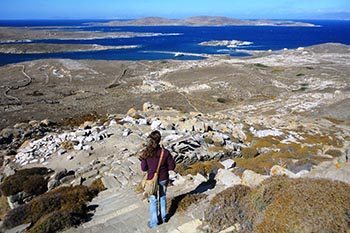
pixel 120 209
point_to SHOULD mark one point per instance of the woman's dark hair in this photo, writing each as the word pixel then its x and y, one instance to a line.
pixel 152 145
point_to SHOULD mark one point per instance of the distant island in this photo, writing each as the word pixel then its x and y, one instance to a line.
pixel 202 21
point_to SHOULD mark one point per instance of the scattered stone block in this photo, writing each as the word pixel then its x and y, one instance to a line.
pixel 277 170
pixel 252 179
pixel 228 163
pixel 227 178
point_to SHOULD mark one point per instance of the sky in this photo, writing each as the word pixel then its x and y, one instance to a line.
pixel 128 9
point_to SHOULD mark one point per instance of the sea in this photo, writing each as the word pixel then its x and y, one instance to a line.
pixel 181 42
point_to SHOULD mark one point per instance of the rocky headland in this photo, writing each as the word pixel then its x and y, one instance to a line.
pixel 36 48
pixel 255 139
pixel 9 35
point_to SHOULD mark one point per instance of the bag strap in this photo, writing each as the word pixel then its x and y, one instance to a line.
pixel 160 160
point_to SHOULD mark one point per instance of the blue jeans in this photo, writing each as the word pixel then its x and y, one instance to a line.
pixel 153 208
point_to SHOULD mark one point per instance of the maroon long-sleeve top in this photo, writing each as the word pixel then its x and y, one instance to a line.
pixel 150 165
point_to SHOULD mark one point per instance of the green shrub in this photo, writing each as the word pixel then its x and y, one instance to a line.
pixel 221 100
pixel 259 65
pixel 35 185
pixel 31 181
pixel 54 222
pixel 55 210
pixel 33 171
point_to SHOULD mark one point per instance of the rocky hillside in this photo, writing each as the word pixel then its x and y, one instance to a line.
pixel 216 154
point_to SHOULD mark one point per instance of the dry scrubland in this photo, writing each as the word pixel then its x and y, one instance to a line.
pixel 283 118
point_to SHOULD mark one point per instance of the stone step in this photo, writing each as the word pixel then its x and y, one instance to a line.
pixel 108 195
pixel 115 204
pixel 112 213
pixel 110 182
pixel 122 179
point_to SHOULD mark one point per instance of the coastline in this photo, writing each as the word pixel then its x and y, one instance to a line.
pixel 37 48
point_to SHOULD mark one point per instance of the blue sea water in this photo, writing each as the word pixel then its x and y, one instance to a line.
pixel 187 40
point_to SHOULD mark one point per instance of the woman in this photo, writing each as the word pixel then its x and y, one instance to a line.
pixel 149 162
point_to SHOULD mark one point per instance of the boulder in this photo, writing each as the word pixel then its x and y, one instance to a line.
pixel 252 179
pixel 335 170
pixel 189 125
pixel 52 184
pixel 67 179
pixel 86 125
pixel 78 147
pixel 219 138
pixel 227 178
pixel 142 121
pixel 149 106
pixel 176 179
pixel 113 122
pixel 87 148
pixel 237 132
pixel 228 163
pixel 8 171
pixel 60 174
pixel 277 170
pixel 198 179
pixel 46 122
pixel 157 125
pixel 132 111
pixel 126 132
pixel 21 126
pixel 33 123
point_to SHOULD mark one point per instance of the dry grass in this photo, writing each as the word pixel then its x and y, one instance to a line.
pixel 76 121
pixel 317 139
pixel 281 153
pixel 4 207
pixel 98 185
pixel 334 152
pixel 264 142
pixel 184 201
pixel 307 205
pixel 261 164
pixel 227 208
pixel 67 145
pixel 281 204
pixel 204 168
pixel 217 149
pixel 249 152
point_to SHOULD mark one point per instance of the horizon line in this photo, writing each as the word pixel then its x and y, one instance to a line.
pixel 111 19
